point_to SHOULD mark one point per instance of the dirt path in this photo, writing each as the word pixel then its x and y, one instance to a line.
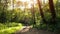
pixel 29 30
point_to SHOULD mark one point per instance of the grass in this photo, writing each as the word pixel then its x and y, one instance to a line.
pixel 9 28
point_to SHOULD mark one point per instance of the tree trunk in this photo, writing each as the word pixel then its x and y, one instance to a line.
pixel 53 13
pixel 41 11
pixel 33 13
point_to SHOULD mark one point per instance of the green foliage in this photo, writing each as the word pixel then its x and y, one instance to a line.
pixel 26 17
pixel 48 26
pixel 9 28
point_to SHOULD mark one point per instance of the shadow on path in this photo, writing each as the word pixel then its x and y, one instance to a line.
pixel 30 30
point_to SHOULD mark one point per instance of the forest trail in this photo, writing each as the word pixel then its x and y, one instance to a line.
pixel 29 30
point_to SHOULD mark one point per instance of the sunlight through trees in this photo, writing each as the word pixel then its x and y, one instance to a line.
pixel 41 14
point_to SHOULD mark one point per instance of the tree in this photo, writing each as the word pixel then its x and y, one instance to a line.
pixel 41 11
pixel 53 13
pixel 3 11
pixel 33 13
